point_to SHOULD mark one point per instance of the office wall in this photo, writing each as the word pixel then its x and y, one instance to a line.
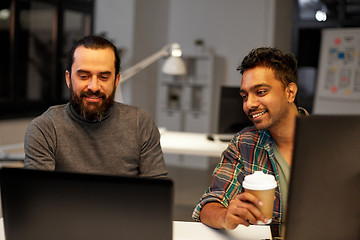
pixel 231 28
pixel 150 35
pixel 116 19
pixel 139 28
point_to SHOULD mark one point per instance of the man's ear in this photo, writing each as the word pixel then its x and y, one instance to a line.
pixel 67 77
pixel 117 80
pixel 291 91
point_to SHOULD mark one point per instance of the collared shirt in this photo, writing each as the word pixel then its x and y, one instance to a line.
pixel 250 150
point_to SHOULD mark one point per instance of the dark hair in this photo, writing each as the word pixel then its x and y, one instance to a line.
pixel 283 64
pixel 93 42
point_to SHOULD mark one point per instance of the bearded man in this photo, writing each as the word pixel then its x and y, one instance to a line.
pixel 92 133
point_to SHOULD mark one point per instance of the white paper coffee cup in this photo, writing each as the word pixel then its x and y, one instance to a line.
pixel 263 187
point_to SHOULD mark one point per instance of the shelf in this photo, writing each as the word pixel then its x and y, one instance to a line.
pixel 183 103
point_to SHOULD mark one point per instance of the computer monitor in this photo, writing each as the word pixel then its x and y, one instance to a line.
pixel 42 205
pixel 232 117
pixel 324 192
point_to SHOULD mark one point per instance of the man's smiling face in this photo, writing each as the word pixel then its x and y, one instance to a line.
pixel 264 98
pixel 92 82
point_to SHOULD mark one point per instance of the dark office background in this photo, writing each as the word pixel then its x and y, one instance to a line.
pixel 37 34
pixel 35 37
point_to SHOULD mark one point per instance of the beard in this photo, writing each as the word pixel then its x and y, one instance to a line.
pixel 274 117
pixel 91 111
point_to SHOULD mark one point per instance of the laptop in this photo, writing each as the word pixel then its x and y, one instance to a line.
pixel 324 193
pixel 42 205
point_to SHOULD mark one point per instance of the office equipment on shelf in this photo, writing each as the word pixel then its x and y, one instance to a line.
pixel 186 103
pixel 42 205
pixel 324 193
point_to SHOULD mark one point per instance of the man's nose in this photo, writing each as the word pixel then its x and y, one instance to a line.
pixel 94 84
pixel 252 102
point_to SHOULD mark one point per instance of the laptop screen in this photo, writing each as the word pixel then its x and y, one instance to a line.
pixel 55 205
pixel 324 193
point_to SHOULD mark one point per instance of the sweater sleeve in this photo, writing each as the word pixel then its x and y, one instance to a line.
pixel 152 162
pixel 39 145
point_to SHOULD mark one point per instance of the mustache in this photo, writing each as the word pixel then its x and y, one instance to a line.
pixel 250 111
pixel 90 93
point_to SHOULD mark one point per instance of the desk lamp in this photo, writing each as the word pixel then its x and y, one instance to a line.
pixel 173 65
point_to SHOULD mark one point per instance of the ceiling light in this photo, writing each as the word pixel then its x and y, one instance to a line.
pixel 4 14
pixel 320 16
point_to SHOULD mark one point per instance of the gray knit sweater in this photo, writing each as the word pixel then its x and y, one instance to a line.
pixel 125 142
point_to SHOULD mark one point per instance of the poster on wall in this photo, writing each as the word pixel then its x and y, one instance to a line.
pixel 338 78
pixel 339 68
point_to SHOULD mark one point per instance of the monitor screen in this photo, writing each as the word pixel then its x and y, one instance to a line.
pixel 232 118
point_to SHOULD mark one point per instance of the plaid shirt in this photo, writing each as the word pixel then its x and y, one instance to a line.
pixel 250 150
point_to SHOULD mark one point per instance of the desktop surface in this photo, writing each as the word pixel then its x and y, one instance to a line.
pixel 198 231
pixel 190 143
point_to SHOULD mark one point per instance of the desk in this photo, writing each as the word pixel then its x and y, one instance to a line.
pixel 12 151
pixel 12 155
pixel 198 231
pixel 191 143
pixel 171 142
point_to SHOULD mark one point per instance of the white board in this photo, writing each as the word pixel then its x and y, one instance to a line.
pixel 338 81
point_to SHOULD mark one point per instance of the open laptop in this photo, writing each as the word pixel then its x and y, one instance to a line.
pixel 324 194
pixel 41 205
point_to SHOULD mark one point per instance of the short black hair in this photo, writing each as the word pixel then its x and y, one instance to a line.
pixel 283 64
pixel 93 42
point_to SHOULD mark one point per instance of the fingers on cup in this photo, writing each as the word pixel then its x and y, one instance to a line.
pixel 245 210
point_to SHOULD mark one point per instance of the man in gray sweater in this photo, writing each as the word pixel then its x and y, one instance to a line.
pixel 92 133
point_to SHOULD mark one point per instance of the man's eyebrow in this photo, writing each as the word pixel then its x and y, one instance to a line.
pixel 106 72
pixel 82 71
pixel 88 72
pixel 260 85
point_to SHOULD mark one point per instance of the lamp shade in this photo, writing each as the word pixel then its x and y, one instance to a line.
pixel 174 66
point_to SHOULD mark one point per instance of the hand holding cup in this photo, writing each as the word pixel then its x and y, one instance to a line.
pixel 263 187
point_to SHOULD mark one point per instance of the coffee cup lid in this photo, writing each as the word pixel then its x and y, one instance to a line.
pixel 259 181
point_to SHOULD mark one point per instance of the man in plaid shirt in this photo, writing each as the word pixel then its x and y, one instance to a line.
pixel 268 88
